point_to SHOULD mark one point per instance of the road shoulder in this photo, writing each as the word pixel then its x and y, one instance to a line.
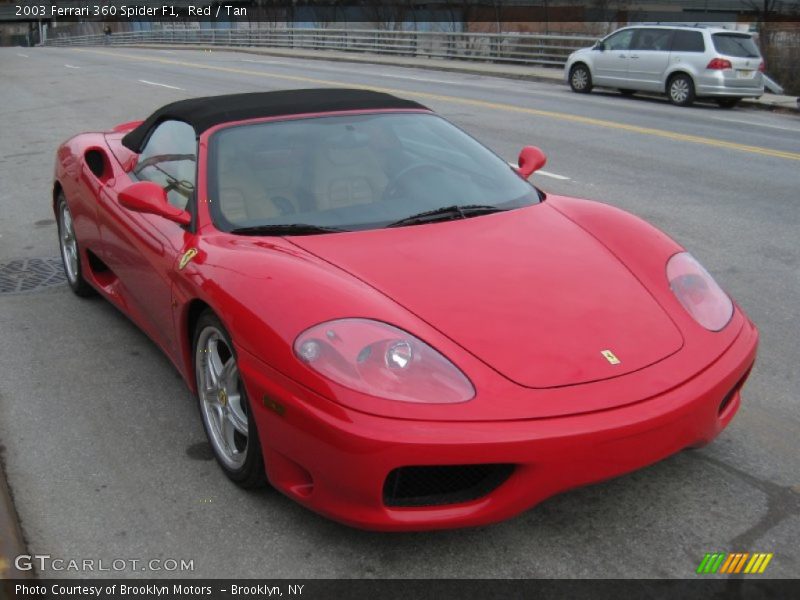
pixel 12 542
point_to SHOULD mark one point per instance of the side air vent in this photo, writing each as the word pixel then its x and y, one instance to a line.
pixel 97 162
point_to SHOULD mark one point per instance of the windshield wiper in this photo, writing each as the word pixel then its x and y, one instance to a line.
pixel 447 213
pixel 286 229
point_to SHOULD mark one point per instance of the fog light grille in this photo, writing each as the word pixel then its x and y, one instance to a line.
pixel 445 484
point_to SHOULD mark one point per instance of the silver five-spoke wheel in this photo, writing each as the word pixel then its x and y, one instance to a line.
pixel 70 250
pixel 221 401
pixel 68 243
pixel 228 418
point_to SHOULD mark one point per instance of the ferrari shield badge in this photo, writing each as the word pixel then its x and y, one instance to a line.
pixel 187 256
pixel 610 357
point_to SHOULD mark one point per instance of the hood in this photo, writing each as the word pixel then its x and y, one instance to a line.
pixel 527 291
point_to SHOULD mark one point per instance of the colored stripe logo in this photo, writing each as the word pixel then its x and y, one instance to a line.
pixel 734 562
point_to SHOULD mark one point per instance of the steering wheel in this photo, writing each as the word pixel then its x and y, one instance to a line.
pixel 396 184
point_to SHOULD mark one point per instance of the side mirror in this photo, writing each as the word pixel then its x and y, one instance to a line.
pixel 599 45
pixel 531 159
pixel 148 197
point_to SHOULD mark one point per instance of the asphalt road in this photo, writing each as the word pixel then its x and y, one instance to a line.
pixel 102 443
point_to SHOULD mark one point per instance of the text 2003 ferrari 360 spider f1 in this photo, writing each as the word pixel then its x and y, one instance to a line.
pixel 383 318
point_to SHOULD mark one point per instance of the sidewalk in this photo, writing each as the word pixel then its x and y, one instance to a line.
pixel 530 73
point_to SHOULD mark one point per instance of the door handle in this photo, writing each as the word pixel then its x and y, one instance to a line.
pixel 632 56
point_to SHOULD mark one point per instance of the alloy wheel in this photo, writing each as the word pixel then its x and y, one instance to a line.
pixel 68 243
pixel 679 91
pixel 222 400
pixel 580 79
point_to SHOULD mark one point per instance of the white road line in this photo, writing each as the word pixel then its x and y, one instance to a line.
pixel 71 67
pixel 266 62
pixel 371 74
pixel 427 79
pixel 553 175
pixel 22 55
pixel 755 124
pixel 172 87
pixel 540 172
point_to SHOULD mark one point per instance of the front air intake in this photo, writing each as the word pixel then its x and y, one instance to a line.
pixel 445 484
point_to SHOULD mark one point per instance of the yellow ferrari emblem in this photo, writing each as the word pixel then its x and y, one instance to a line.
pixel 223 397
pixel 610 357
pixel 187 256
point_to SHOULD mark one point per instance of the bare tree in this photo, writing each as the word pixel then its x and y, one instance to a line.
pixel 762 8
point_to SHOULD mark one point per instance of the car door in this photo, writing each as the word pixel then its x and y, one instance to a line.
pixel 687 54
pixel 611 63
pixel 649 57
pixel 142 249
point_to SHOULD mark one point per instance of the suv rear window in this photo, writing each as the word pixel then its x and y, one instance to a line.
pixel 688 41
pixel 734 44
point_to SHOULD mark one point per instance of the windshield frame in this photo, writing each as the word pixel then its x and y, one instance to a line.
pixel 208 157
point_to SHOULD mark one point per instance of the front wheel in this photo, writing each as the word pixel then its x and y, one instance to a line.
pixel 70 253
pixel 227 416
pixel 680 90
pixel 580 79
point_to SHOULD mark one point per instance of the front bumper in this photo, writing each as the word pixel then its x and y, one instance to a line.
pixel 335 460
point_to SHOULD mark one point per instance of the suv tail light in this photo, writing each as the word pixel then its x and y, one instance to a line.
pixel 718 64
pixel 762 67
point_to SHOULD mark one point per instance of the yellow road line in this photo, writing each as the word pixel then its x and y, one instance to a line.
pixel 663 133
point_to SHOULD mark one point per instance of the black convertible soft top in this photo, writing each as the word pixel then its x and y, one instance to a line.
pixel 204 113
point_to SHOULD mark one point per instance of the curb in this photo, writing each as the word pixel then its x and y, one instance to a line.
pixel 12 542
pixel 462 67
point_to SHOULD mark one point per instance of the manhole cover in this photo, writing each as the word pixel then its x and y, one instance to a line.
pixel 30 274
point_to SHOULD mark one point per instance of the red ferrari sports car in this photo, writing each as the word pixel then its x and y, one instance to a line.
pixel 384 319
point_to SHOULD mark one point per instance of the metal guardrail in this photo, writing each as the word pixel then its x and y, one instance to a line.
pixel 523 48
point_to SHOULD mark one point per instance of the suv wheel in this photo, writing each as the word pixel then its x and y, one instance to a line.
pixel 680 90
pixel 580 79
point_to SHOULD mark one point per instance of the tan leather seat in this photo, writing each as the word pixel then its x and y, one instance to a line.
pixel 346 175
pixel 260 186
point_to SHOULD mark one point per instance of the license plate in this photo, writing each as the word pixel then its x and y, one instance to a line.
pixel 744 73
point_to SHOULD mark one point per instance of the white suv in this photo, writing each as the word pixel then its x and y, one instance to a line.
pixel 683 62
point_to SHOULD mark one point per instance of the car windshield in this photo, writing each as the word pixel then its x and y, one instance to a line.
pixel 354 172
pixel 732 44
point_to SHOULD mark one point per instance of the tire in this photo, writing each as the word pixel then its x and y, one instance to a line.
pixel 70 251
pixel 680 90
pixel 627 93
pixel 580 79
pixel 727 102
pixel 224 406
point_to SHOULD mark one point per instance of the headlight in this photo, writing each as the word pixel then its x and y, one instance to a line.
pixel 383 361
pixel 698 292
